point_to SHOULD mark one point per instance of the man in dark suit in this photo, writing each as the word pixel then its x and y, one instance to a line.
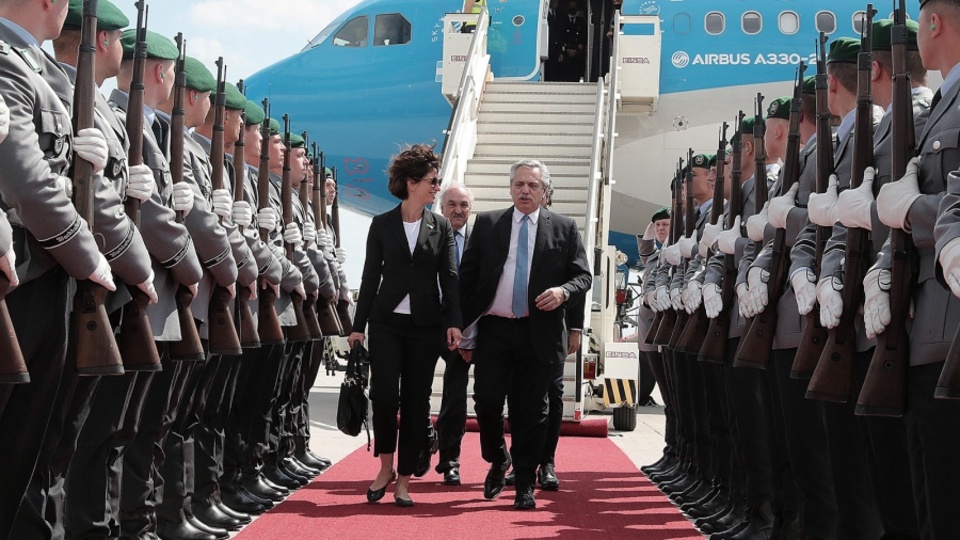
pixel 523 267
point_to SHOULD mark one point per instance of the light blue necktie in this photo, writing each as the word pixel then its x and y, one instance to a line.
pixel 456 247
pixel 520 275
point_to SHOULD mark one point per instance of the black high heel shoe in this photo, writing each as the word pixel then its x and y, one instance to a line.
pixel 375 495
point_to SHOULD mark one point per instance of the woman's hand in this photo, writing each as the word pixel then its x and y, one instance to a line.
pixel 357 337
pixel 453 338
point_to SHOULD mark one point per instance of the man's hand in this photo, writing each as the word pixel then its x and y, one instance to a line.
pixel 140 184
pixel 222 203
pixel 453 338
pixel 671 254
pixel 241 215
pixel 309 233
pixel 341 255
pixel 712 300
pixel 804 283
pixel 686 245
pixel 573 341
pixel 876 302
pixel 831 301
pixel 692 296
pixel 727 240
pixel 822 207
pixel 91 146
pixel 896 198
pixel 4 119
pixel 781 206
pixel 182 197
pixel 291 235
pixel 950 261
pixel 267 284
pixel 551 299
pixel 356 337
pixel 267 219
pixel 252 287
pixel 663 298
pixel 758 294
pixel 757 224
pixel 650 233
pixel 743 292
pixel 709 237
pixel 855 206
pixel 650 299
pixel 8 265
pixel 102 275
pixel 148 288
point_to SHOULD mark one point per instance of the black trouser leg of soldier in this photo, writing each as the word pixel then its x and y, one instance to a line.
pixel 27 407
pixel 859 516
pixel 297 396
pixel 938 445
pixel 451 422
pixel 281 397
pixel 655 361
pixel 786 494
pixel 684 405
pixel 258 424
pixel 554 416
pixel 646 380
pixel 244 398
pixel 681 440
pixel 722 444
pixel 696 385
pixel 309 378
pixel 210 436
pixel 807 449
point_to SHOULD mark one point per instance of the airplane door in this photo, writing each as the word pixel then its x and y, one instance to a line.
pixel 513 42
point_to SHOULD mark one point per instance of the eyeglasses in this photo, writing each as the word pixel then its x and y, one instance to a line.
pixel 435 182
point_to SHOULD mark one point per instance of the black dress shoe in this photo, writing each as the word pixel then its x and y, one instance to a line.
pixel 402 503
pixel 243 517
pixel 258 488
pixel 374 495
pixel 288 469
pixel 213 516
pixel 275 475
pixel 510 479
pixel 182 530
pixel 451 477
pixel 324 462
pixel 218 532
pixel 547 478
pixel 237 501
pixel 301 468
pixel 524 499
pixel 307 459
pixel 495 481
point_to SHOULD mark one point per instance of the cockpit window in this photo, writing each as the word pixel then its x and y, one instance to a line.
pixel 714 23
pixel 826 22
pixel 353 33
pixel 391 29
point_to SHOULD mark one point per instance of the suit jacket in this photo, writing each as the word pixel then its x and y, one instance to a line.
pixel 559 260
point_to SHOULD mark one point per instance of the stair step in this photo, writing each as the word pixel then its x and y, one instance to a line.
pixel 578 140
pixel 548 117
pixel 540 87
pixel 522 150
pixel 526 107
pixel 560 99
pixel 532 126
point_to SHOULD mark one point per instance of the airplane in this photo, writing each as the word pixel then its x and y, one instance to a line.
pixel 370 82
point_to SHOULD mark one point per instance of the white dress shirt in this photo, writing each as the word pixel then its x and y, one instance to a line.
pixel 412 230
pixel 502 305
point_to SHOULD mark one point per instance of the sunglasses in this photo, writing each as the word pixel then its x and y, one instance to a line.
pixel 436 182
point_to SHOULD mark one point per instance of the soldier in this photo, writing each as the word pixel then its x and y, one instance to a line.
pixel 50 238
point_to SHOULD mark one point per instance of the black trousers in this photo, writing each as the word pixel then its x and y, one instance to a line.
pixel 507 368
pixel 554 416
pixel 308 378
pixel 403 357
pixel 452 420
pixel 209 435
pixel 654 362
pixel 39 312
pixel 284 402
pixel 248 426
pixel 807 449
pixel 717 408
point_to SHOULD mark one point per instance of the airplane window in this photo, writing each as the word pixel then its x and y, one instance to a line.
pixel 859 18
pixel 789 22
pixel 681 23
pixel 353 33
pixel 751 22
pixel 826 22
pixel 391 29
pixel 714 23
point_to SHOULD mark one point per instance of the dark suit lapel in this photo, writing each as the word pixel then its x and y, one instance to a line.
pixel 542 226
pixel 395 224
pixel 428 229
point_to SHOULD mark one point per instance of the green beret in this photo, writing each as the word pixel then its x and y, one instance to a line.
pixel 662 213
pixel 236 101
pixel 327 172
pixel 253 114
pixel 746 127
pixel 779 108
pixel 158 46
pixel 882 35
pixel 844 49
pixel 809 85
pixel 109 16
pixel 296 141
pixel 198 77
pixel 702 160
pixel 713 160
pixel 274 127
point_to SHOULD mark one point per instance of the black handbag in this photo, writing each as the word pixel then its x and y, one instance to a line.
pixel 353 404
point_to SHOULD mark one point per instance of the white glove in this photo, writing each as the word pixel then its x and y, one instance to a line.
pixel 309 233
pixel 252 287
pixel 692 296
pixel 341 255
pixel 66 184
pixel 822 207
pixel 242 215
pixel 758 294
pixel 727 240
pixel 148 288
pixel 743 304
pixel 140 184
pixel 8 265
pixel 663 298
pixel 876 302
pixel 5 120
pixel 267 219
pixel 831 302
pixel 650 299
pixel 855 206
pixel 757 224
pixel 895 198
pixel 676 299
pixel 712 300
pixel 805 289
pixel 650 233
pixel 686 245
pixel 300 291
pixel 709 236
pixel 222 203
pixel 781 206
pixel 950 261
pixel 292 235
pixel 182 197
pixel 671 254
pixel 103 275
pixel 90 145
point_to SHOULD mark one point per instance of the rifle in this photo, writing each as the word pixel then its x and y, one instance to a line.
pixel 309 307
pixel 757 343
pixel 326 310
pixel 301 331
pixel 689 222
pixel 343 305
pixel 222 333
pixel 714 347
pixel 696 330
pixel 97 352
pixel 665 330
pixel 243 315
pixel 651 335
pixel 189 348
pixel 814 334
pixel 833 378
pixel 268 325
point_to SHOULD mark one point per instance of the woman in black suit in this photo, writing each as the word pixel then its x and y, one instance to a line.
pixel 409 251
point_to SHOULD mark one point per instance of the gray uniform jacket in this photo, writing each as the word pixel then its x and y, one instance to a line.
pixel 34 155
pixel 650 257
pixel 175 260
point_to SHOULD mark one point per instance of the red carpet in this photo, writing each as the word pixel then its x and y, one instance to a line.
pixel 588 427
pixel 602 496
